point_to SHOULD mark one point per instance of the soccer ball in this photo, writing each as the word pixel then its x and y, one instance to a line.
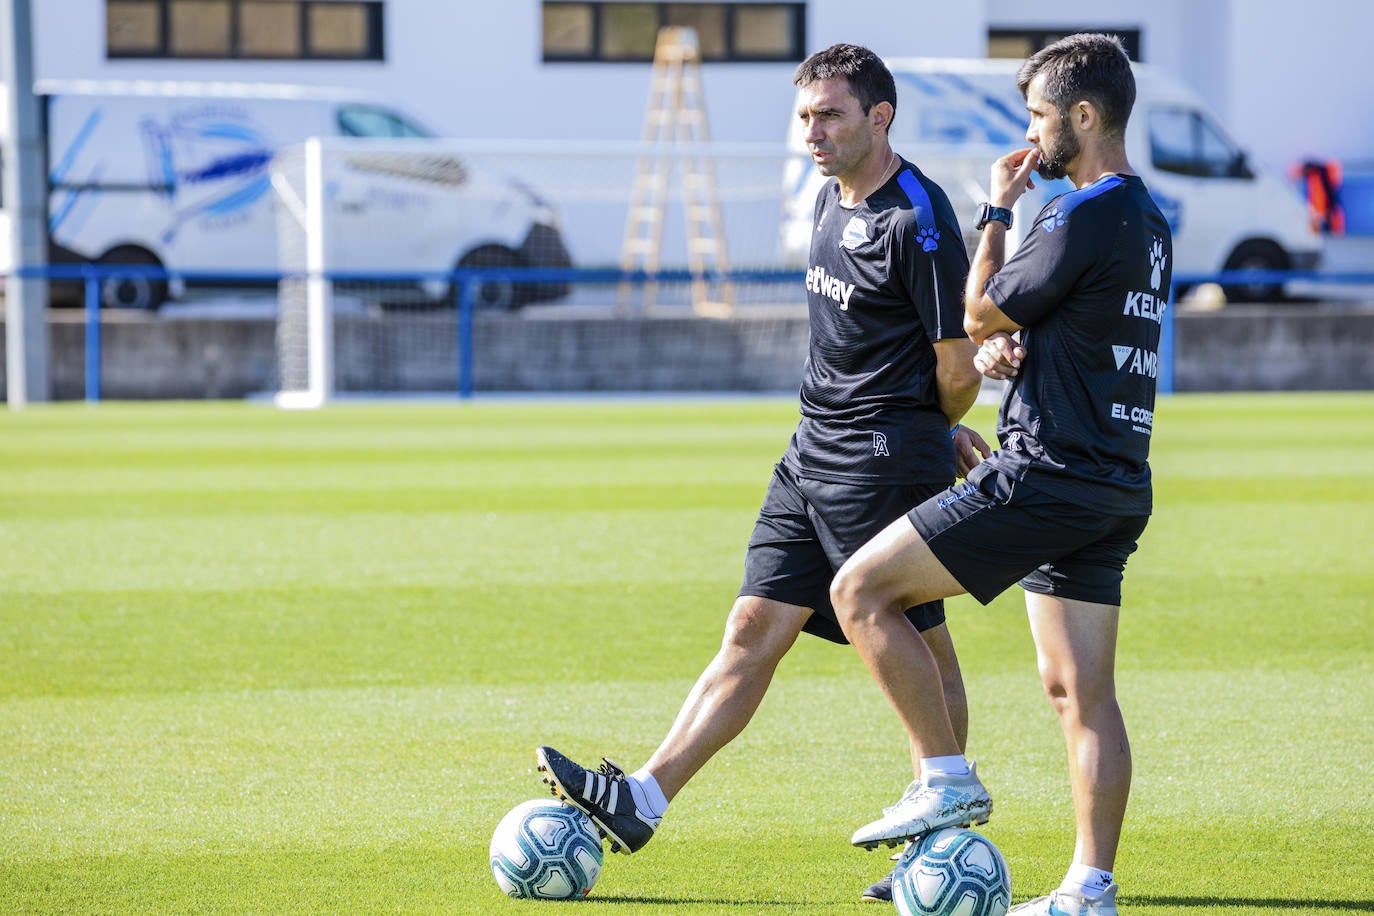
pixel 952 872
pixel 546 850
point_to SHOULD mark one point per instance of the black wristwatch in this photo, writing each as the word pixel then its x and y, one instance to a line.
pixel 987 212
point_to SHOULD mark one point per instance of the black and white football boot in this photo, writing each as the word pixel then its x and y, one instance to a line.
pixel 603 794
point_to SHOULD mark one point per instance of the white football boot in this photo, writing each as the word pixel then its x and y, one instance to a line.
pixel 1061 903
pixel 927 806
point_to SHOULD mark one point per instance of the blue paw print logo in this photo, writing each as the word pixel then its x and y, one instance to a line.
pixel 1157 259
pixel 1054 220
pixel 929 237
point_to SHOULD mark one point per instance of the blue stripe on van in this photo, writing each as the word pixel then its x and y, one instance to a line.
pixel 1017 117
pixel 58 174
pixel 922 84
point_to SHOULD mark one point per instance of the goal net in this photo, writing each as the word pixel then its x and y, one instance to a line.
pixel 412 267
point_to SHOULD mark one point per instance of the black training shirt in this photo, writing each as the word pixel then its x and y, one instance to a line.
pixel 1088 285
pixel 885 281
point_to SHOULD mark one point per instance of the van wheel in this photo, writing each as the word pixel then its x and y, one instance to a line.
pixel 134 290
pixel 1256 254
pixel 493 295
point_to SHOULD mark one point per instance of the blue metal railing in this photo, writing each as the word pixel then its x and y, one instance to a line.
pixel 466 282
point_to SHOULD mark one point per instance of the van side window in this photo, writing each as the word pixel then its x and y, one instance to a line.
pixel 370 121
pixel 1184 141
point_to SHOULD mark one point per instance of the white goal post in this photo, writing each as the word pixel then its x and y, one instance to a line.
pixel 305 314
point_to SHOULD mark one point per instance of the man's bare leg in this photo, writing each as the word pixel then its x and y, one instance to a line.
pixel 871 593
pixel 890 573
pixel 758 633
pixel 1075 645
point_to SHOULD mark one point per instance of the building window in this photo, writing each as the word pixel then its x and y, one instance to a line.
pixel 621 31
pixel 134 26
pixel 269 29
pixel 199 28
pixel 246 29
pixel 1022 43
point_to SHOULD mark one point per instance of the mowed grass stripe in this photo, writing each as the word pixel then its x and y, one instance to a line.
pixel 263 662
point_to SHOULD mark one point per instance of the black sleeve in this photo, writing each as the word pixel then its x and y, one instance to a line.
pixel 1055 253
pixel 933 270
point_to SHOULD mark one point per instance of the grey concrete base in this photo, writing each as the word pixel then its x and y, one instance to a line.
pixel 1254 348
pixel 1309 347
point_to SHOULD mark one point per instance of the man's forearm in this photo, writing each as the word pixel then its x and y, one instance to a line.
pixel 957 382
pixel 956 403
pixel 987 259
pixel 981 315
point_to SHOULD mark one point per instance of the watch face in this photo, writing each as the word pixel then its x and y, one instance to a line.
pixel 988 213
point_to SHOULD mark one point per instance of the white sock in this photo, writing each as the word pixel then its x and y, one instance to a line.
pixel 648 796
pixel 955 765
pixel 1086 881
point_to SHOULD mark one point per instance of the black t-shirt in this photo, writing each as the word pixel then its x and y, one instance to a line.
pixel 1088 286
pixel 885 281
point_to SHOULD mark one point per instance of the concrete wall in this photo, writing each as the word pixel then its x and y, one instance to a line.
pixel 1268 348
pixel 1254 348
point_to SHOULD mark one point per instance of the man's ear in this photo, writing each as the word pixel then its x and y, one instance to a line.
pixel 1083 115
pixel 881 114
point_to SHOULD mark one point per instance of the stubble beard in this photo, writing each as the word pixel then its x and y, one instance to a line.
pixel 1055 159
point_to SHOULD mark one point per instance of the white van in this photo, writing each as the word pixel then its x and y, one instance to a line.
pixel 955 117
pixel 178 175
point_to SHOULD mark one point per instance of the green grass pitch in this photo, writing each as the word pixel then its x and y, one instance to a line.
pixel 265 662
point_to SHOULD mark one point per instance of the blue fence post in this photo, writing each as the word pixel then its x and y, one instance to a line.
pixel 466 284
pixel 92 337
pixel 1166 346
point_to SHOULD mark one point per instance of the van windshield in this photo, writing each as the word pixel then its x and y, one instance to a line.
pixel 370 121
pixel 1184 141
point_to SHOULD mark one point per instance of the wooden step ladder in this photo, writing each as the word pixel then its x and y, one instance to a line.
pixel 675 132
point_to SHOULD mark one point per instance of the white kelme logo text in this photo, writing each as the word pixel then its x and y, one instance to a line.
pixel 1144 305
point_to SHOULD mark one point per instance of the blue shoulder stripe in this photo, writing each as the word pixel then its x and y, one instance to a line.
pixel 927 233
pixel 1057 210
pixel 1071 200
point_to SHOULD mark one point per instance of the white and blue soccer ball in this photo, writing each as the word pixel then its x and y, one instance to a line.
pixel 952 872
pixel 546 850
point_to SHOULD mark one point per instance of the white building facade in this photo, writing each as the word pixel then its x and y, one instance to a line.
pixel 1289 82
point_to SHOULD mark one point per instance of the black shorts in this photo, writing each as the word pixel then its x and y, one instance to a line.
pixel 993 531
pixel 806 530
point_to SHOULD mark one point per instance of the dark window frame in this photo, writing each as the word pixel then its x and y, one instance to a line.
pixel 795 53
pixel 1040 36
pixel 374 51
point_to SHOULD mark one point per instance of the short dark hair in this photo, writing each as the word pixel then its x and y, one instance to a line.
pixel 1089 67
pixel 869 79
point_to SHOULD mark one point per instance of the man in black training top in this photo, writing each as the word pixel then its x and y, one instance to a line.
pixel 889 374
pixel 1060 506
